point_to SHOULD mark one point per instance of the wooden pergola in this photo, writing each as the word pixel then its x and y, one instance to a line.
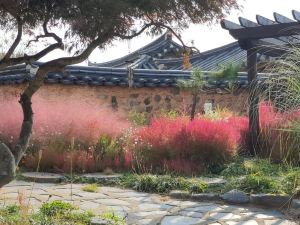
pixel 267 37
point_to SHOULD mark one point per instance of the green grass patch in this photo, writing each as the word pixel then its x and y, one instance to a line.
pixel 162 183
pixel 113 219
pixel 261 176
pixel 252 175
pixel 90 188
pixel 50 213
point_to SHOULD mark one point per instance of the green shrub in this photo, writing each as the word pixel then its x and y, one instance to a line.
pixel 162 184
pixel 169 114
pixel 256 183
pixel 56 212
pixel 56 208
pixel 261 175
pixel 262 166
pixel 102 145
pixel 260 184
pixel 242 167
pixel 235 169
pixel 291 180
pixel 90 188
pixel 79 218
pixel 228 72
pixel 113 219
pixel 197 187
pixel 10 215
pixel 139 119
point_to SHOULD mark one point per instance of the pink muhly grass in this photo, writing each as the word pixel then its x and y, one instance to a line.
pixel 66 116
pixel 56 123
pixel 172 143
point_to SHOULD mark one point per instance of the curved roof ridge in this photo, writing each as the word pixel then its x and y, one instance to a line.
pixel 201 54
pixel 141 51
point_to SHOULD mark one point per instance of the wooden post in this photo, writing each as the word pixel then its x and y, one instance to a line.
pixel 253 102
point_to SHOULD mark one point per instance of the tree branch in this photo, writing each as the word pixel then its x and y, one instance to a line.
pixel 160 24
pixel 186 48
pixel 50 34
pixel 8 61
pixel 16 41
pixel 30 58
pixel 46 34
pixel 126 37
pixel 60 63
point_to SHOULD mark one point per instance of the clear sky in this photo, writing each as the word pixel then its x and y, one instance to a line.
pixel 205 37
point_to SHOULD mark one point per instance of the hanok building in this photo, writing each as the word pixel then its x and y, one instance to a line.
pixel 143 81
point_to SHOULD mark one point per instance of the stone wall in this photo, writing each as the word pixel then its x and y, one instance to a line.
pixel 151 100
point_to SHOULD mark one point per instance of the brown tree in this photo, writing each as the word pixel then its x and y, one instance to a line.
pixel 90 24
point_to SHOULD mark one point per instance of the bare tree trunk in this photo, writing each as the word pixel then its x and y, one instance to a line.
pixel 194 104
pixel 26 129
pixel 7 165
pixel 9 160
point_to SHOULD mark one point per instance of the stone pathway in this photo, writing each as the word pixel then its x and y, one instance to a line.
pixel 141 208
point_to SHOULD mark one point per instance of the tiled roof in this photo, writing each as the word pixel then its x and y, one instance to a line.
pixel 165 54
pixel 143 58
pixel 101 76
pixel 210 60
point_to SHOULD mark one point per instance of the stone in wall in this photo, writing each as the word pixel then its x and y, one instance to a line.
pixel 157 98
pixel 147 101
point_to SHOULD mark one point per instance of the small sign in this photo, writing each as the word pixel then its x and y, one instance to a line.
pixel 208 107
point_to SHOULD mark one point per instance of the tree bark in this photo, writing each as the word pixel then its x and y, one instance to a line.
pixel 26 129
pixel 7 165
pixel 9 160
pixel 194 104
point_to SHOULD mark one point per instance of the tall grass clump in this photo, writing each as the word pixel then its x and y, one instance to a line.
pixel 280 137
pixel 183 146
pixel 96 132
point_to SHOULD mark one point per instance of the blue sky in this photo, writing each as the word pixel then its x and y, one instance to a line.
pixel 205 37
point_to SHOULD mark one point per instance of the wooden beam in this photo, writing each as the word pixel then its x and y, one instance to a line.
pixel 263 47
pixel 296 15
pixel 282 19
pixel 247 23
pixel 269 31
pixel 253 102
pixel 266 22
pixel 228 25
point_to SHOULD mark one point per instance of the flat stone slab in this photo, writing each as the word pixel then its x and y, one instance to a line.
pixel 296 204
pixel 180 194
pixel 101 176
pixel 213 181
pixel 224 216
pixel 191 214
pixel 274 201
pixel 205 197
pixel 236 197
pixel 180 220
pixel 40 177
pixel 98 221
